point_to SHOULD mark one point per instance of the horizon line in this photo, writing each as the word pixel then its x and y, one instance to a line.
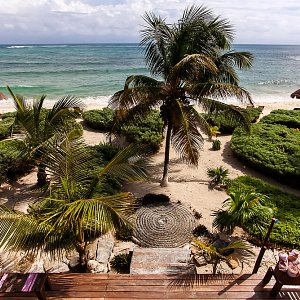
pixel 132 43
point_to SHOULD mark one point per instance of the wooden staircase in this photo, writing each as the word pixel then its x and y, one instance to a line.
pixel 153 286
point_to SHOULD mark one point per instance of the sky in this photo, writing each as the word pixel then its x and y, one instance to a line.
pixel 113 21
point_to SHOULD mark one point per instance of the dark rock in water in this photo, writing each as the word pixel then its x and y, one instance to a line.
pixel 296 94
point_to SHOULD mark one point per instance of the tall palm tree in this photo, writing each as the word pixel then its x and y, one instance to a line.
pixel 193 59
pixel 76 211
pixel 244 209
pixel 40 125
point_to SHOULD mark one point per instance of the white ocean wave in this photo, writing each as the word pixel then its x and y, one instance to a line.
pixel 294 57
pixel 18 47
pixel 276 82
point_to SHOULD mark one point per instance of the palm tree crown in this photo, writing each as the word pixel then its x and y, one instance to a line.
pixel 39 124
pixel 193 59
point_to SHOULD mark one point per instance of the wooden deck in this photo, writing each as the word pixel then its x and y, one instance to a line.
pixel 125 287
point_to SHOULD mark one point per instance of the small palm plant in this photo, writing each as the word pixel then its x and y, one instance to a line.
pixel 215 255
pixel 244 209
pixel 218 176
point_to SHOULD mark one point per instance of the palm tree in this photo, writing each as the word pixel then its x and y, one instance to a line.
pixel 39 125
pixel 215 255
pixel 76 210
pixel 193 59
pixel 244 209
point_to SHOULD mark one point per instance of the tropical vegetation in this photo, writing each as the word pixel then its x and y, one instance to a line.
pixel 214 254
pixel 191 63
pixel 146 131
pixel 273 146
pixel 39 125
pixel 245 209
pixel 218 176
pixel 285 206
pixel 78 208
pixel 225 125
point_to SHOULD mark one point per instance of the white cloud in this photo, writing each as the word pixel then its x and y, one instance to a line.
pixel 63 21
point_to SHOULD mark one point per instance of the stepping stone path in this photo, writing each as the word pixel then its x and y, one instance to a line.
pixel 167 225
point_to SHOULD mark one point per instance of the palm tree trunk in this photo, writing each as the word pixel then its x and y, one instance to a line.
pixel 41 176
pixel 215 267
pixel 164 181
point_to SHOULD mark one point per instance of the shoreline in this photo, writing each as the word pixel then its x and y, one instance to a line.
pixel 99 102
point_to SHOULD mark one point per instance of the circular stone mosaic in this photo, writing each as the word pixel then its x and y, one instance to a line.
pixel 167 225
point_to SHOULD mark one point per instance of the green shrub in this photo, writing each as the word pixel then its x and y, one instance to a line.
pixel 9 115
pixel 154 199
pixel 271 148
pixel 124 234
pixel 100 119
pixel 216 145
pixel 6 127
pixel 226 125
pixel 200 230
pixel 147 131
pixel 121 263
pixel 12 165
pixel 104 151
pixel 288 118
pixel 286 208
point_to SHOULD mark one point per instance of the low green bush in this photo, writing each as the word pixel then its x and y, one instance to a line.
pixel 8 115
pixel 6 127
pixel 12 165
pixel 226 125
pixel 121 263
pixel 100 119
pixel 216 145
pixel 286 208
pixel 154 199
pixel 147 131
pixel 271 148
pixel 200 230
pixel 288 118
pixel 124 234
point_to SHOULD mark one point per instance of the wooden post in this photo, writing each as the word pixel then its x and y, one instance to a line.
pixel 264 247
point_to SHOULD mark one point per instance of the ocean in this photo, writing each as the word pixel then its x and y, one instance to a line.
pixel 93 72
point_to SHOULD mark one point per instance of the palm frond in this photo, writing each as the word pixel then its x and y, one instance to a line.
pixel 155 39
pixel 20 102
pixel 19 231
pixel 61 110
pixel 242 59
pixel 68 162
pixel 130 164
pixel 186 138
pixel 233 114
pixel 193 66
pixel 219 90
pixel 98 215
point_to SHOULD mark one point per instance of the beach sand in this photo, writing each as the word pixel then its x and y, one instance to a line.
pixel 189 185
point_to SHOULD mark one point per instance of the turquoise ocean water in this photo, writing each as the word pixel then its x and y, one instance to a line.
pixel 93 72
